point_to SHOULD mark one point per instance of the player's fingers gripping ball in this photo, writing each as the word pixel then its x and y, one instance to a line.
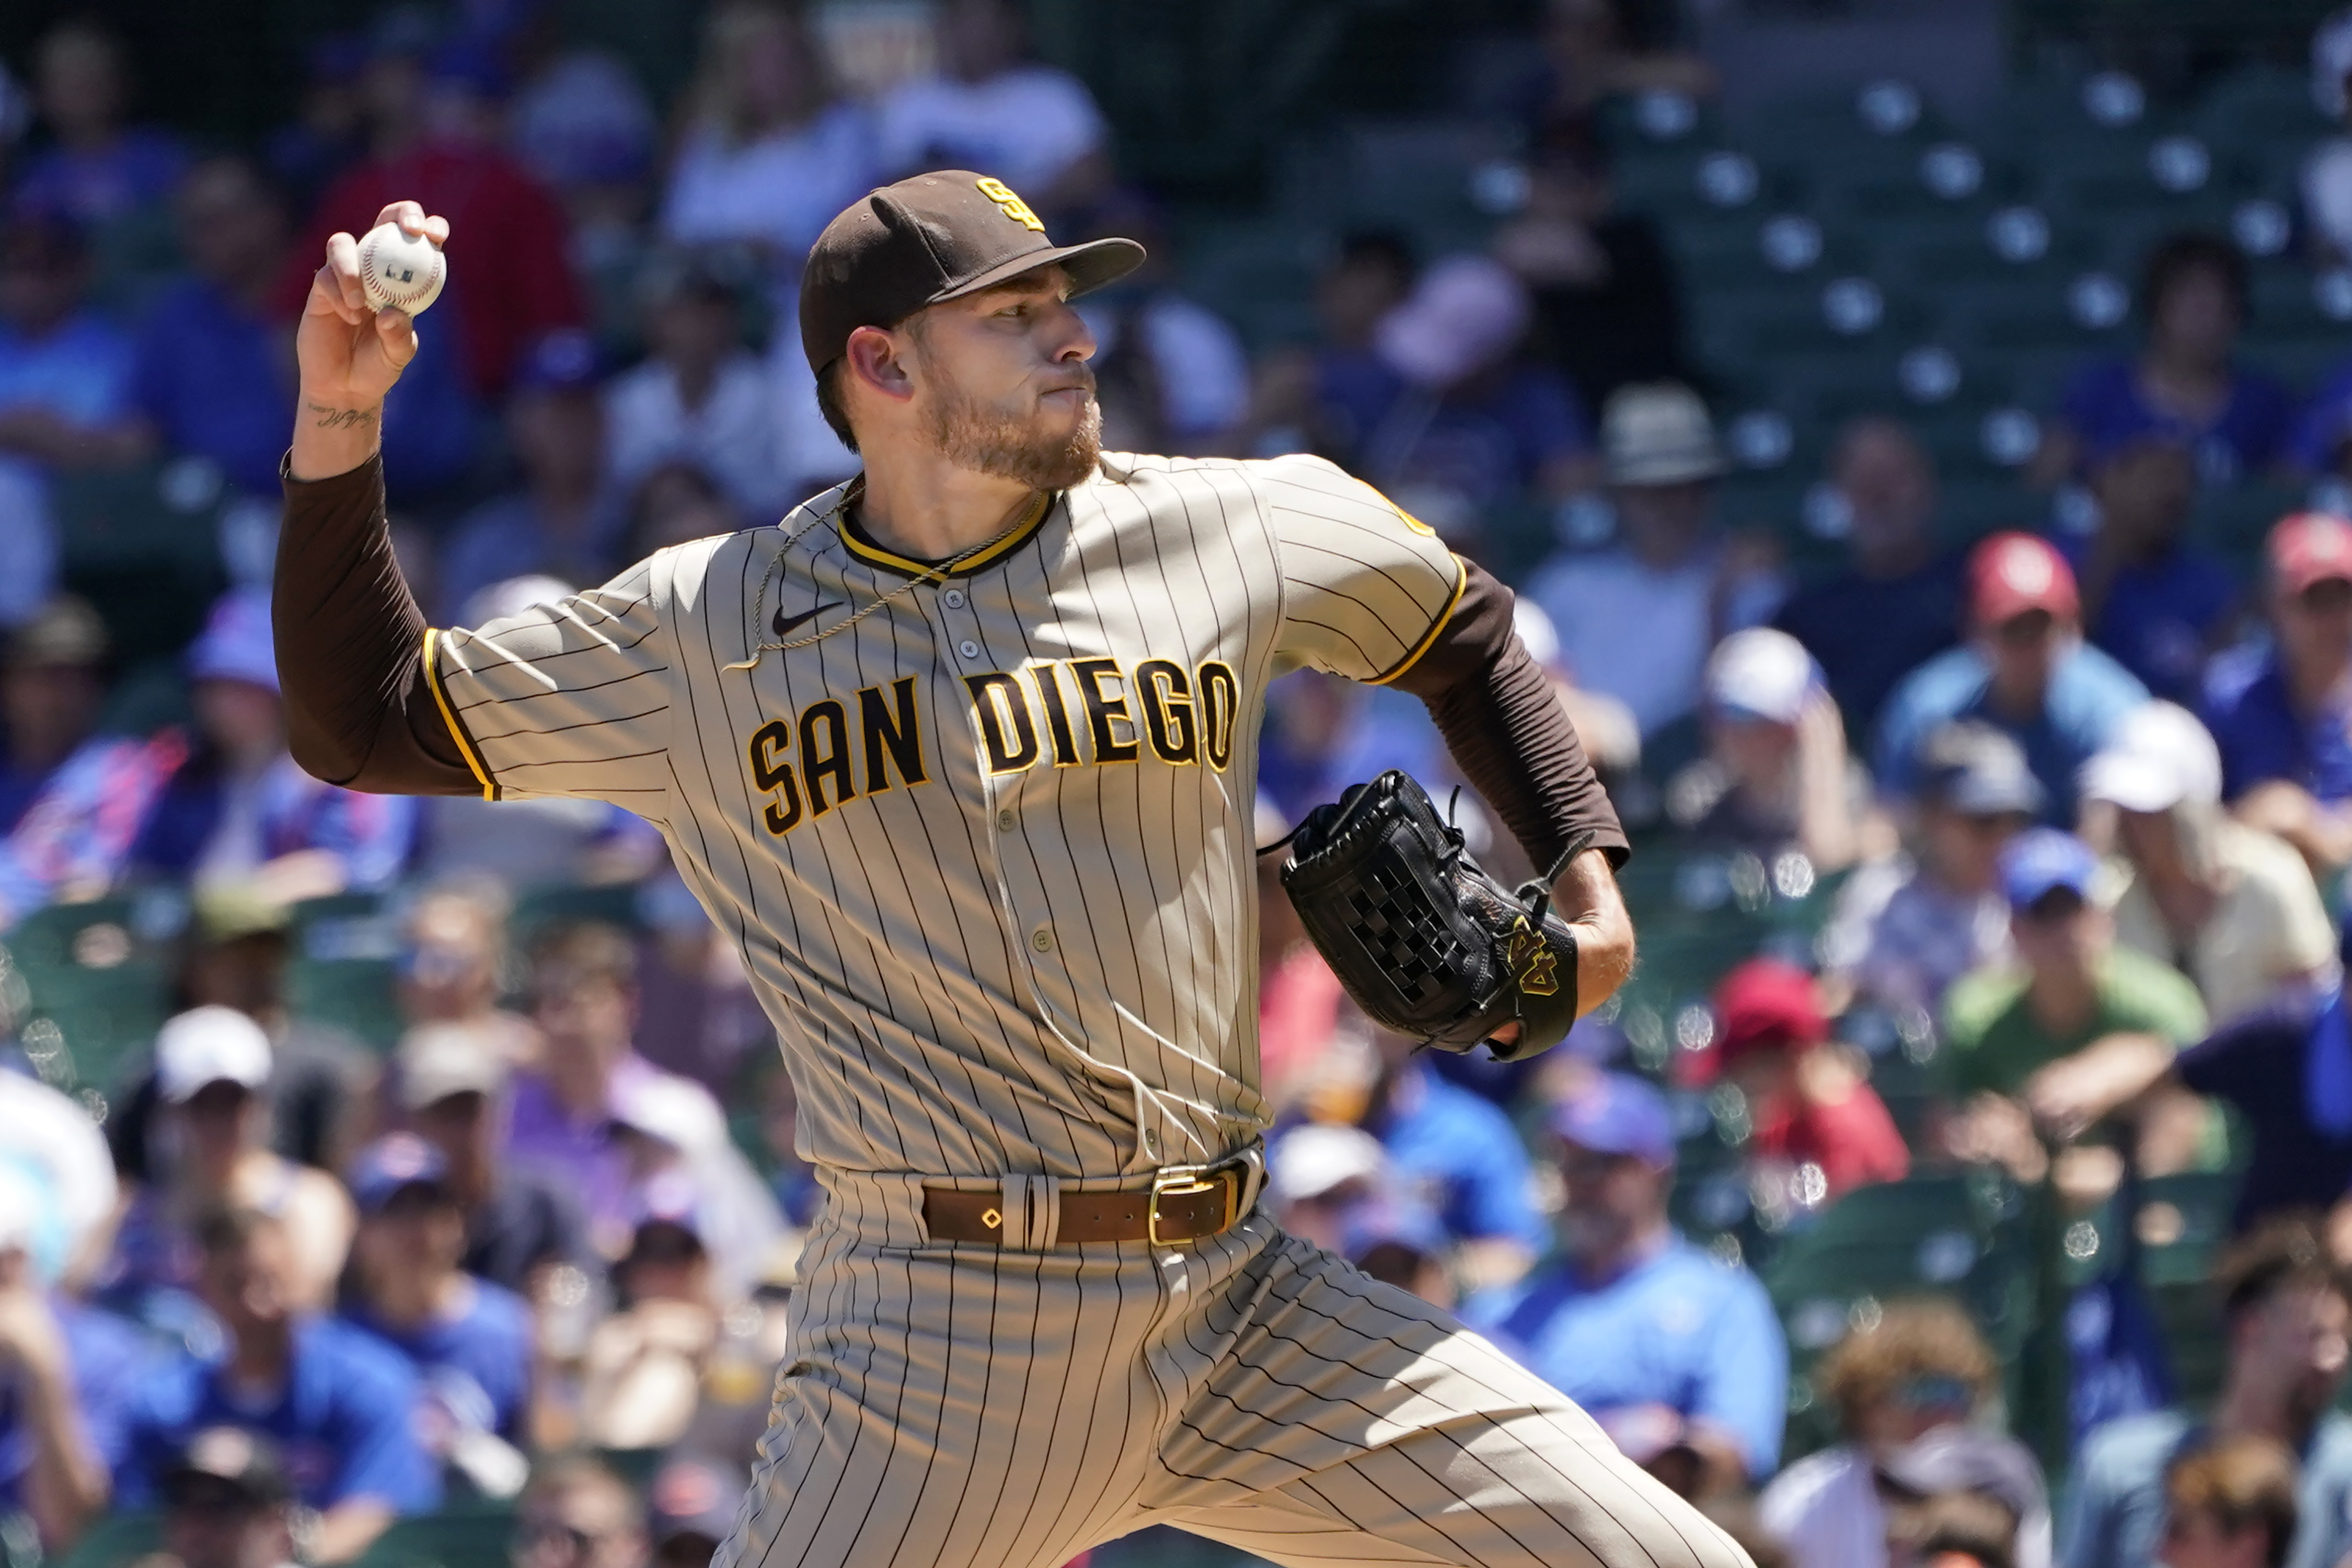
pixel 400 270
pixel 1427 943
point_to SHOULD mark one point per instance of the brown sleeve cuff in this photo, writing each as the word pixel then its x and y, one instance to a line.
pixel 1508 733
pixel 349 637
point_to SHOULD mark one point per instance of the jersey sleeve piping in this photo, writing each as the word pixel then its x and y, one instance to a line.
pixel 465 746
pixel 1429 639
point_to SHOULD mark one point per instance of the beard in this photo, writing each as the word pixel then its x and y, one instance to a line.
pixel 993 440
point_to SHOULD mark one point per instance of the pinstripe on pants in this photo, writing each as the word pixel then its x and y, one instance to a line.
pixel 951 1404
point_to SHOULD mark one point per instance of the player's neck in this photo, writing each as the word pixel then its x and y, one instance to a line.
pixel 924 508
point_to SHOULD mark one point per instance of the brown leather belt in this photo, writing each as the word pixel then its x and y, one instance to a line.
pixel 1183 1203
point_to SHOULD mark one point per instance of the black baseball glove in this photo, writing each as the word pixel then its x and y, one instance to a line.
pixel 1428 944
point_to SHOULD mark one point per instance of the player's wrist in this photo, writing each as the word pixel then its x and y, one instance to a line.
pixel 333 433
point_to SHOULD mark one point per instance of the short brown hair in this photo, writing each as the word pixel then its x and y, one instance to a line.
pixel 1927 1337
pixel 2238 1482
pixel 589 949
pixel 1964 1525
pixel 226 1232
pixel 828 403
pixel 2281 1253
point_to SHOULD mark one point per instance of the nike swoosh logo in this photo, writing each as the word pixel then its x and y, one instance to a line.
pixel 787 625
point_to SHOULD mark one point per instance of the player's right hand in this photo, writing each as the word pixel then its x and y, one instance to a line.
pixel 349 353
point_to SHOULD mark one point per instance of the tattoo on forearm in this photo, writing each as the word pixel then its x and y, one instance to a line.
pixel 341 418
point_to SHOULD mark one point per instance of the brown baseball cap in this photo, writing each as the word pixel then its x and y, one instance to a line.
pixel 930 238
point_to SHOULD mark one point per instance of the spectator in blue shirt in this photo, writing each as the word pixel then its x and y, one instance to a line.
pixel 211 370
pixel 1648 1332
pixel 2285 1313
pixel 468 1342
pixel 1457 1155
pixel 339 1405
pixel 1897 602
pixel 2281 711
pixel 65 399
pixel 2025 670
pixel 98 170
pixel 2157 603
pixel 566 521
pixel 52 685
pixel 67 1375
pixel 1444 413
pixel 2186 386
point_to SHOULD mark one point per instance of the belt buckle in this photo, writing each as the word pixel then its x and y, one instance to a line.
pixel 1183 1181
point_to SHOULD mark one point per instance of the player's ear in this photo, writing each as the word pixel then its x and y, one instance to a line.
pixel 875 358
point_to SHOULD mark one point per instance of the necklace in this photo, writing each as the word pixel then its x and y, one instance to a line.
pixel 832 514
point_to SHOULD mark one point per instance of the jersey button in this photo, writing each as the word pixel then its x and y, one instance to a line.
pixel 1004 820
pixel 1042 939
pixel 952 598
pixel 969 649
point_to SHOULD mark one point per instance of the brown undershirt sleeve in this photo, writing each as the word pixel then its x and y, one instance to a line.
pixel 1507 731
pixel 360 707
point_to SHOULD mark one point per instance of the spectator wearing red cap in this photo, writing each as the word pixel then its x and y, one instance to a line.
pixel 1810 1103
pixel 2024 669
pixel 2282 712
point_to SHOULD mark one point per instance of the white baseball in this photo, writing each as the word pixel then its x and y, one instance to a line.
pixel 401 269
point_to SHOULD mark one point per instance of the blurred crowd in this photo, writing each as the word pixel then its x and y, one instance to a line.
pixel 2078 803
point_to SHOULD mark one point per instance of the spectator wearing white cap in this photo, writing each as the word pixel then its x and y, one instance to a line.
pixel 1636 620
pixel 209 1150
pixel 1334 1186
pixel 2231 906
pixel 1777 774
pixel 1445 414
pixel 52 1137
pixel 669 1128
pixel 451 1080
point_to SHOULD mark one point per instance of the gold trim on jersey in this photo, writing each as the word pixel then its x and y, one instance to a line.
pixel 1461 583
pixel 466 749
pixel 865 550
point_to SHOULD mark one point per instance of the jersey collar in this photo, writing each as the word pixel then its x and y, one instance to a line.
pixel 861 545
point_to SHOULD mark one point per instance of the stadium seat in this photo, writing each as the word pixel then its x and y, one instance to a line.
pixel 1958 1235
pixel 610 904
pixel 343 970
pixel 2261 103
pixel 100 974
pixel 113 1541
pixel 141 544
pixel 2234 521
pixel 475 1537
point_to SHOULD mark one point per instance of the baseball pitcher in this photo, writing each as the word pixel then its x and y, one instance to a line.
pixel 963 753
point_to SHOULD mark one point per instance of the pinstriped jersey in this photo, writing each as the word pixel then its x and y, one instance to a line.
pixel 986 840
